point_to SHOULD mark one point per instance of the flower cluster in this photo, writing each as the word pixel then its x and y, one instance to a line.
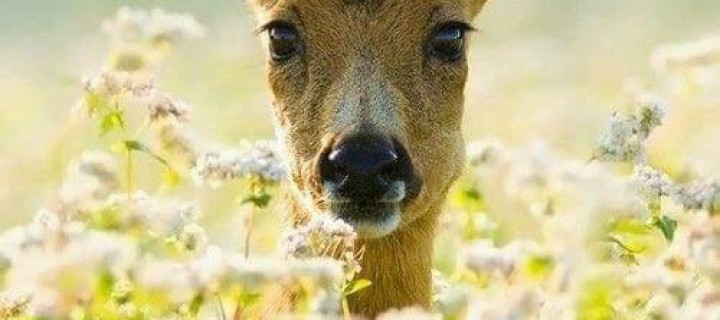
pixel 157 26
pixel 598 243
pixel 262 159
pixel 623 140
pixel 701 52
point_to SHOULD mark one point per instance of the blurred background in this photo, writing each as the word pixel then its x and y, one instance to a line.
pixel 549 71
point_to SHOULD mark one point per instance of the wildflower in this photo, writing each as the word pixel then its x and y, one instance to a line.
pixel 261 159
pixel 621 141
pixel 325 302
pixel 483 256
pixel 487 151
pixel 163 106
pixel 59 272
pixel 176 142
pixel 327 273
pixel 649 112
pixel 512 303
pixel 702 303
pixel 450 300
pixel 88 181
pixel 192 237
pixel 624 137
pixel 13 304
pixel 210 269
pixel 320 236
pixel 652 183
pixel 121 291
pixel 254 273
pixel 697 53
pixel 409 313
pixel 162 217
pixel 168 278
pixel 703 243
pixel 661 305
pixel 109 83
pixel 155 26
pixel 701 195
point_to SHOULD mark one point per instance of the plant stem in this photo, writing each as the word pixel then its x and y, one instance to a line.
pixel 129 173
pixel 346 309
pixel 248 232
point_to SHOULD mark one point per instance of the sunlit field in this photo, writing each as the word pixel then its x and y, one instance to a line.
pixel 140 176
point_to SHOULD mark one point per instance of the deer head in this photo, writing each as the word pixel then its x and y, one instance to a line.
pixel 368 95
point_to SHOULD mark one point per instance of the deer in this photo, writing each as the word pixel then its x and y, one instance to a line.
pixel 368 101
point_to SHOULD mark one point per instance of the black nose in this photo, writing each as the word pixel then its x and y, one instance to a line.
pixel 363 167
pixel 363 157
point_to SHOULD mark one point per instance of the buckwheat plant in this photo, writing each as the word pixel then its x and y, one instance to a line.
pixel 602 243
pixel 617 237
pixel 107 249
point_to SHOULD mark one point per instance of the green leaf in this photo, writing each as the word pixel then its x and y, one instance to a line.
pixel 630 226
pixel 94 103
pixel 632 247
pixel 260 200
pixel 196 303
pixel 667 226
pixel 111 121
pixel 134 145
pixel 247 299
pixel 471 194
pixel 539 267
pixel 355 286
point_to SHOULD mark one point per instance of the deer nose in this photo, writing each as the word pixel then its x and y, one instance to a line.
pixel 361 159
pixel 362 168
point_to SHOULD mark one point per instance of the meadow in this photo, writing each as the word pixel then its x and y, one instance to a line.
pixel 140 175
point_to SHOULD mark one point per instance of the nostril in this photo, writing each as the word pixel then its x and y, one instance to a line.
pixel 362 160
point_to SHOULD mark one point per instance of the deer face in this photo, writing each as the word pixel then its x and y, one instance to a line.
pixel 368 95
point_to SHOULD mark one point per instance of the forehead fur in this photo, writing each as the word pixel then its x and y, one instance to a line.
pixel 471 7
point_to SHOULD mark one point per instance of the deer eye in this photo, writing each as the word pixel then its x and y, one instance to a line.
pixel 448 42
pixel 284 42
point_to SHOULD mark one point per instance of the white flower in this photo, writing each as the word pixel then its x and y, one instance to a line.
pixel 508 303
pixel 487 151
pixel 450 300
pixel 652 183
pixel 178 143
pixel 318 236
pixel 192 237
pixel 650 111
pixel 13 304
pixel 89 180
pixel 702 303
pixel 697 53
pixel 701 195
pixel 170 278
pixel 163 106
pixel 261 158
pixel 162 217
pixel 483 256
pixel 211 268
pixel 59 272
pixel 155 26
pixel 326 272
pixel 109 83
pixel 703 243
pixel 621 140
pixel 409 313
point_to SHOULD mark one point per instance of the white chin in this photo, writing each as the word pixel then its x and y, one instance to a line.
pixel 376 229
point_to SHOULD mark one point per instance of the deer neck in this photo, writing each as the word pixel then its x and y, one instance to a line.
pixel 399 266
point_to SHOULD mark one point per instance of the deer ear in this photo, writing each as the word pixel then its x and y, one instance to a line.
pixel 475 6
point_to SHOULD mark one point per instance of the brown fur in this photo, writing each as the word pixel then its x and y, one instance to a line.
pixel 372 51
